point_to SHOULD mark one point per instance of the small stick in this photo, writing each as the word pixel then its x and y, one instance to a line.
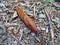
pixel 52 33
pixel 35 12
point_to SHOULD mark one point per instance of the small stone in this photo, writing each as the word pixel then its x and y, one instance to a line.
pixel 2 5
pixel 42 16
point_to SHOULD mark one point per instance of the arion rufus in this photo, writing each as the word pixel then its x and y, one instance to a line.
pixel 26 19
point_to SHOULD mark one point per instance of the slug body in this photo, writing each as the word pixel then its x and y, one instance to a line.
pixel 26 19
